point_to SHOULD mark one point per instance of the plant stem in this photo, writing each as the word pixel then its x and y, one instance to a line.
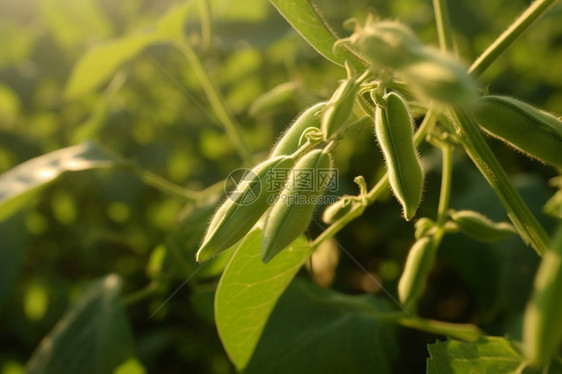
pixel 446 43
pixel 455 330
pixel 462 331
pixel 164 185
pixel 141 294
pixel 206 24
pixel 521 24
pixel 216 100
pixel 477 149
pixel 473 142
pixel 446 176
pixel 444 30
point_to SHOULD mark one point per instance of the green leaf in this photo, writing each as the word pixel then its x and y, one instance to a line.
pixel 14 241
pixel 248 290
pixel 314 330
pixel 100 63
pixel 306 21
pixel 21 183
pixel 493 355
pixel 553 206
pixel 171 24
pixel 73 23
pixel 94 336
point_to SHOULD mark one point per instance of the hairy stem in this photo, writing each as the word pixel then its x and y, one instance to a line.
pixel 521 24
pixel 477 149
pixel 444 30
pixel 164 185
pixel 447 173
pixel 206 24
pixel 216 100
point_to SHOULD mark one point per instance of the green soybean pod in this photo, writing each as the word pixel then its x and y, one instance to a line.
pixel 388 44
pixel 481 227
pixel 274 98
pixel 424 227
pixel 237 215
pixel 337 210
pixel 524 127
pixel 418 265
pixel 436 75
pixel 339 108
pixel 542 323
pixel 292 212
pixel 394 131
pixel 289 141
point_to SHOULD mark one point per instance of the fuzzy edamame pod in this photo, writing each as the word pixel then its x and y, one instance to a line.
pixel 435 75
pixel 480 227
pixel 394 131
pixel 524 127
pixel 289 142
pixel 339 108
pixel 337 210
pixel 418 265
pixel 388 44
pixel 236 216
pixel 542 324
pixel 292 212
pixel 273 98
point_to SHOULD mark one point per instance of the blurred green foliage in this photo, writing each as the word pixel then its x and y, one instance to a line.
pixel 152 111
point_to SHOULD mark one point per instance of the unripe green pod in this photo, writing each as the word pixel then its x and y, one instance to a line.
pixel 394 131
pixel 236 216
pixel 339 209
pixel 292 212
pixel 387 43
pixel 435 75
pixel 339 108
pixel 289 142
pixel 424 227
pixel 418 265
pixel 480 227
pixel 542 324
pixel 274 98
pixel 524 127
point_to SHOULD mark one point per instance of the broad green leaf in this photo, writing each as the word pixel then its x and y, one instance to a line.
pixel 131 366
pixel 252 11
pixel 16 40
pixel 248 290
pixel 75 22
pixel 493 355
pixel 19 184
pixel 314 330
pixel 306 21
pixel 171 24
pixel 100 63
pixel 12 250
pixel 10 106
pixel 93 337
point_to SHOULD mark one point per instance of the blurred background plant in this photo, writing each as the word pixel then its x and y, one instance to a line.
pixel 154 118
